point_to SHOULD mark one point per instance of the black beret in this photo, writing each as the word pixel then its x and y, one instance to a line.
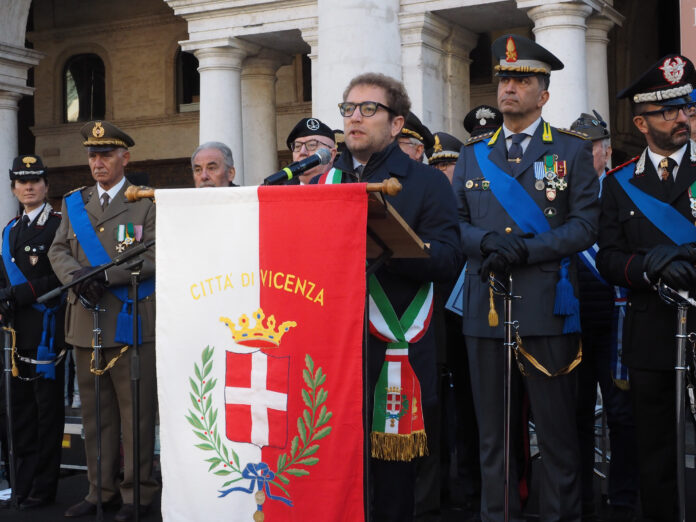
pixel 520 56
pixel 481 119
pixel 27 167
pixel 413 128
pixel 669 81
pixel 445 149
pixel 594 126
pixel 101 136
pixel 309 127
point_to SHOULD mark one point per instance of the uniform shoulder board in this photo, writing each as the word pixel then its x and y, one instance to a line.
pixel 632 160
pixel 74 190
pixel 476 139
pixel 577 134
pixel 56 213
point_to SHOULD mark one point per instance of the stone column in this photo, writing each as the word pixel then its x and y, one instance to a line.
pixel 15 62
pixel 259 115
pixel 560 28
pixel 422 63
pixel 220 66
pixel 596 41
pixel 353 37
pixel 8 151
pixel 457 94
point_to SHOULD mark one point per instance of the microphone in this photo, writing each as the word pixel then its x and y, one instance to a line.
pixel 320 157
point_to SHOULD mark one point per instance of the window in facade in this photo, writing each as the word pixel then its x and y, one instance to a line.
pixel 84 97
pixel 188 82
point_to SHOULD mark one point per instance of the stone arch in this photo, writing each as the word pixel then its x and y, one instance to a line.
pixel 13 21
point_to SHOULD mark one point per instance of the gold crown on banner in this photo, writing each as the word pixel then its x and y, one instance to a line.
pixel 260 336
pixel 393 389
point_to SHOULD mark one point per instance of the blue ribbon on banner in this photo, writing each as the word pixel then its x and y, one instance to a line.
pixel 260 475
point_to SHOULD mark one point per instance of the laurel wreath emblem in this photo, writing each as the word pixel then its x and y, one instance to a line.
pixel 311 425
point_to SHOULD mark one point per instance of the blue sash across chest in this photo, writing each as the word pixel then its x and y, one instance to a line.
pixel 524 211
pixel 664 216
pixel 97 255
pixel 16 277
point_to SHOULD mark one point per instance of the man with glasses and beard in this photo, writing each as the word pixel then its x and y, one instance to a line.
pixel 304 139
pixel 647 234
pixel 374 109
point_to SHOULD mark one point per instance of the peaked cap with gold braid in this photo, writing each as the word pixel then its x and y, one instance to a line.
pixel 102 136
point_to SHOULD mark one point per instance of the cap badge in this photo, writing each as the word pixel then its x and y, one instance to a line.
pixel 510 50
pixel 28 161
pixel 97 130
pixel 438 146
pixel 484 114
pixel 313 124
pixel 673 69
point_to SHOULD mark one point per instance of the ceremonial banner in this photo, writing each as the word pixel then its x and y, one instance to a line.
pixel 260 300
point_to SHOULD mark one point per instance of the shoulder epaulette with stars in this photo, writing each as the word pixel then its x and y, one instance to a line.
pixel 632 160
pixel 74 190
pixel 577 134
pixel 476 139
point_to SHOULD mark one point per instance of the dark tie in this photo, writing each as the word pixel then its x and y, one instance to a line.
pixel 25 223
pixel 515 151
pixel 666 168
pixel 359 170
pixel 105 201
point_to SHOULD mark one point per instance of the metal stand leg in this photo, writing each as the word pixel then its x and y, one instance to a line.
pixel 8 411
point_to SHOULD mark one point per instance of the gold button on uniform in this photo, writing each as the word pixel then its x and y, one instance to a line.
pixel 508 230
pixel 632 213
pixel 101 229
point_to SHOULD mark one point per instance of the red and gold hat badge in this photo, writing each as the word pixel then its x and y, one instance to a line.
pixel 510 50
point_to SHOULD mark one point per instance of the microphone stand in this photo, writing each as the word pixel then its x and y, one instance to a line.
pixel 682 301
pixel 510 344
pixel 96 341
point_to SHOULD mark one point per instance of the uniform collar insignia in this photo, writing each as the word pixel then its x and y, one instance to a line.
pixel 43 216
pixel 692 150
pixel 640 166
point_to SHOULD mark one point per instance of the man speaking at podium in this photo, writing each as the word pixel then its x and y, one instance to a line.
pixel 99 223
pixel 374 109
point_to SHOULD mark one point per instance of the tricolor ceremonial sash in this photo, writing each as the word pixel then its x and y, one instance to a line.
pixel 664 216
pixel 524 211
pixel 97 255
pixel 45 350
pixel 259 352
pixel 398 432
pixel 331 177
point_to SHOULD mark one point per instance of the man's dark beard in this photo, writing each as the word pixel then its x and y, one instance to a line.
pixel 666 140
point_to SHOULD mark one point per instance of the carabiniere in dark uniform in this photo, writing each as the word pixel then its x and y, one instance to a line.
pixel 36 389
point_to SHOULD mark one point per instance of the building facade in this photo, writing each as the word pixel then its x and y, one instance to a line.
pixel 174 73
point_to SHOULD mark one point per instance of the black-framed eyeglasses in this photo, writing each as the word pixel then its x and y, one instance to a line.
pixel 671 112
pixel 367 108
pixel 311 145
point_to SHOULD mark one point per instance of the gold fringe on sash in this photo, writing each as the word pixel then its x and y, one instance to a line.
pixel 395 446
pixel 492 313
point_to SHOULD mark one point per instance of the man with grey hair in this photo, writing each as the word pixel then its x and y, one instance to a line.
pixel 213 165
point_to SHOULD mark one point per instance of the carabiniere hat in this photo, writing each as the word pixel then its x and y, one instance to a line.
pixel 27 167
pixel 669 81
pixel 593 126
pixel 482 119
pixel 102 136
pixel 520 56
pixel 310 127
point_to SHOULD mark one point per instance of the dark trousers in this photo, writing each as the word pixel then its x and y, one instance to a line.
pixel 623 467
pixel 553 406
pixel 655 412
pixel 38 421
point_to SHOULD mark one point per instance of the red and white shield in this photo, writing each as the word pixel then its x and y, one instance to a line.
pixel 256 398
pixel 393 403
